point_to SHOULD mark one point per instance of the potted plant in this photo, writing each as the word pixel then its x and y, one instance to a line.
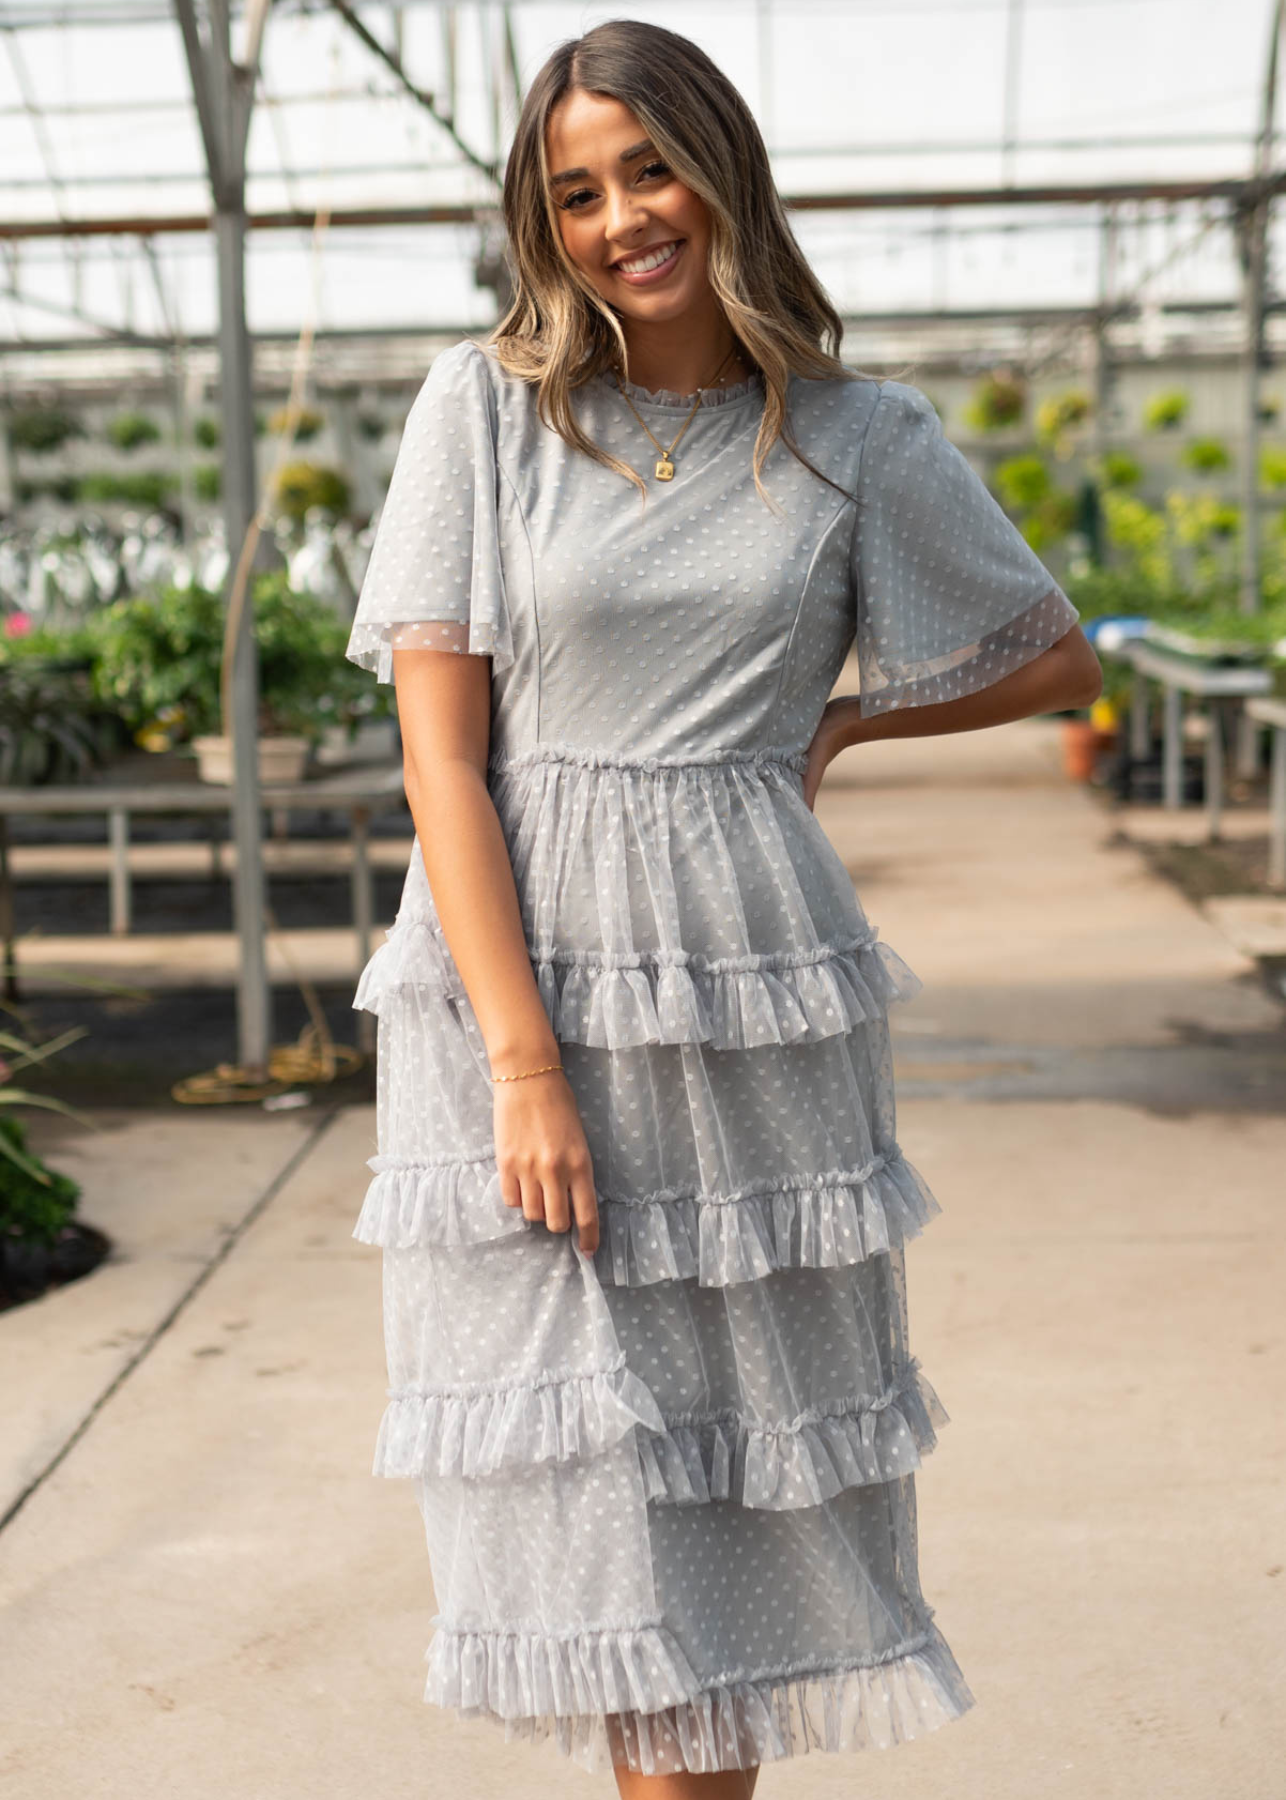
pixel 1166 410
pixel 130 429
pixel 999 400
pixel 41 1244
pixel 158 662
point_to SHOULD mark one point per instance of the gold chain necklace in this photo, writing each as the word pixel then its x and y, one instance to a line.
pixel 664 470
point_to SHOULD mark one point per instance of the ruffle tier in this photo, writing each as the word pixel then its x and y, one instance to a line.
pixel 803 1462
pixel 576 1690
pixel 666 902
pixel 621 1000
pixel 824 1221
pixel 481 1430
pixel 686 1459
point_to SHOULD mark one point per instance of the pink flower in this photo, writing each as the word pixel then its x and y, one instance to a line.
pixel 17 624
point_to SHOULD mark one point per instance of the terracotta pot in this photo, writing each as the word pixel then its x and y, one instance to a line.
pixel 1080 749
pixel 280 759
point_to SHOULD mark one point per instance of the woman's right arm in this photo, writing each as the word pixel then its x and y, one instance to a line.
pixel 444 711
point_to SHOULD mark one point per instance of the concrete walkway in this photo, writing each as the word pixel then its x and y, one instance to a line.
pixel 204 1593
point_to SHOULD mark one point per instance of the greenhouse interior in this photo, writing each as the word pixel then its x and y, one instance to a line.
pixel 239 237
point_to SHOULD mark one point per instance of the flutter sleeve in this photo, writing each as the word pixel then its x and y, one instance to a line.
pixel 949 595
pixel 434 580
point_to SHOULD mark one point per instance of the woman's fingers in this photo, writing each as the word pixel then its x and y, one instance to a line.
pixel 533 1199
pixel 585 1209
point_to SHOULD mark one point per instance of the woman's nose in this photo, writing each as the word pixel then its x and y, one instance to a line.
pixel 624 216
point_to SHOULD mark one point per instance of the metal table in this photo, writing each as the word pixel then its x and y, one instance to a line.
pixel 357 791
pixel 1220 686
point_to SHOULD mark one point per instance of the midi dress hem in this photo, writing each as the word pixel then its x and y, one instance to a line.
pixel 581 1687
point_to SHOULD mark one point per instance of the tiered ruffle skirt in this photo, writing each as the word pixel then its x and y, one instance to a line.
pixel 668 1490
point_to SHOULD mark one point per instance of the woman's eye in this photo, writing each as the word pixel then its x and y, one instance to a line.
pixel 570 200
pixel 657 168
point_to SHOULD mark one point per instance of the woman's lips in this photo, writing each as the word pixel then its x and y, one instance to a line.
pixel 649 276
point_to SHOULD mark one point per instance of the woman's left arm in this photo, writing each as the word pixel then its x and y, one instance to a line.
pixel 1066 675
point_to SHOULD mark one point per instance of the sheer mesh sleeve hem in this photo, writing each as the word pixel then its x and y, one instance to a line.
pixel 974 666
pixel 949 595
pixel 434 577
pixel 372 646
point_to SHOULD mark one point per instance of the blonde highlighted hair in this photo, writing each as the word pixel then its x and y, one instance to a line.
pixel 559 332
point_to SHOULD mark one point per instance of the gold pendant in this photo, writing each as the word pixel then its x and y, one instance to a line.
pixel 665 469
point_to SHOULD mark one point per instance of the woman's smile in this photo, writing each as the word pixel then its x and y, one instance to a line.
pixel 647 267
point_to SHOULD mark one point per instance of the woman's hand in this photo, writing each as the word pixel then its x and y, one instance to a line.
pixel 824 747
pixel 542 1155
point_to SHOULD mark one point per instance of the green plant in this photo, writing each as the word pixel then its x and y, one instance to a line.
pixel 1166 410
pixel 1051 519
pixel 36 1202
pixel 158 657
pixel 130 429
pixel 1059 415
pixel 1022 481
pixel 149 488
pixel 300 486
pixel 51 726
pixel 308 423
pixel 1272 466
pixel 1118 469
pixel 42 429
pixel 207 432
pixel 207 480
pixel 1000 399
pixel 1206 455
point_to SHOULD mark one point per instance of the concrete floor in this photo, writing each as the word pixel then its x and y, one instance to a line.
pixel 205 1594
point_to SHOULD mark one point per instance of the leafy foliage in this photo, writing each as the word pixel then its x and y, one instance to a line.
pixel 300 486
pixel 52 727
pixel 1207 455
pixel 35 1201
pixel 42 429
pixel 999 400
pixel 1166 410
pixel 307 424
pixel 158 657
pixel 130 429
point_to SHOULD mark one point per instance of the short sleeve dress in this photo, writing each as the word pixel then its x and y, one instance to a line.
pixel 669 1488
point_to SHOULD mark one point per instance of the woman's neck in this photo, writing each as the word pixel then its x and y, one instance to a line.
pixel 683 354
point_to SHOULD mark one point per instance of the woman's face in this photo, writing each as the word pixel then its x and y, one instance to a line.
pixel 620 209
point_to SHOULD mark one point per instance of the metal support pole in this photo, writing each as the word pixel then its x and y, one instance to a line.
pixel 249 892
pixel 118 878
pixel 1214 768
pixel 1172 784
pixel 1140 733
pixel 1277 811
pixel 223 90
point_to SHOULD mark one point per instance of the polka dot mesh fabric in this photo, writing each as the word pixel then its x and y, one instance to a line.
pixel 669 1489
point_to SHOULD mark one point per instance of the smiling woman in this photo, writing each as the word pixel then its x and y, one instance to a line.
pixel 639 1189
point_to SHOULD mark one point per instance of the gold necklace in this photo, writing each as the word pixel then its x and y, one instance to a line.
pixel 664 470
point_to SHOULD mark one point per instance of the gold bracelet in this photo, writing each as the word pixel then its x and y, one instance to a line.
pixel 526 1072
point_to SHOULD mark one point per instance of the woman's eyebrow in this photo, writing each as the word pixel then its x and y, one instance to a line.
pixel 582 174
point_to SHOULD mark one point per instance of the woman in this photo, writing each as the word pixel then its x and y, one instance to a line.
pixel 642 1206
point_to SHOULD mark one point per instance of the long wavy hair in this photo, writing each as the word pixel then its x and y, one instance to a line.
pixel 559 332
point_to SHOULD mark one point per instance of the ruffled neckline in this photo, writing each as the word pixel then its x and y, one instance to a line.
pixel 667 397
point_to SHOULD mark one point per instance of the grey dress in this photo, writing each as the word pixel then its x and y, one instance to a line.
pixel 669 1489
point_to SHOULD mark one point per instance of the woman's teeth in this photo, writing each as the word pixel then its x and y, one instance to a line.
pixel 653 259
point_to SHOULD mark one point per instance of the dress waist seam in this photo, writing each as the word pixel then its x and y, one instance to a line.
pixel 573 756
